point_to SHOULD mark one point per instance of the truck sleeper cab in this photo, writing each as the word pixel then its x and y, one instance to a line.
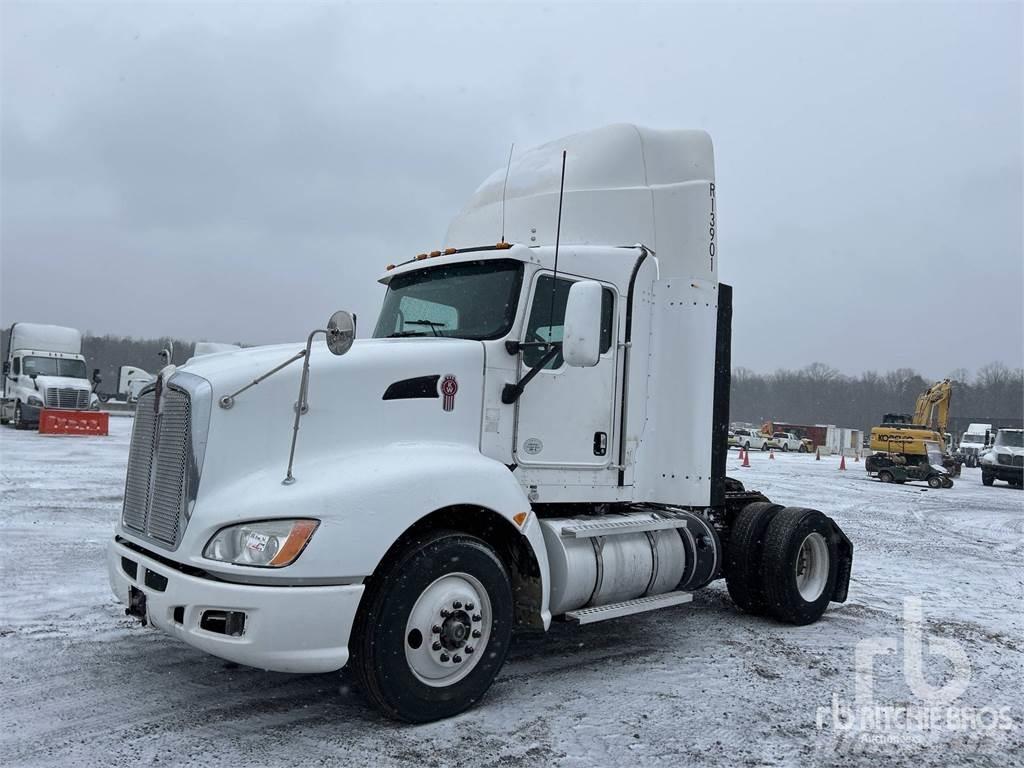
pixel 43 368
pixel 521 440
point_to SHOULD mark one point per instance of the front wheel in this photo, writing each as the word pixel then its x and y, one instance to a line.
pixel 764 446
pixel 934 481
pixel 746 446
pixel 18 423
pixel 987 478
pixel 435 629
pixel 803 448
pixel 785 447
pixel 885 476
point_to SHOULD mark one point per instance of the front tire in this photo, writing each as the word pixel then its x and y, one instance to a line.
pixel 801 565
pixel 18 423
pixel 934 481
pixel 987 478
pixel 785 447
pixel 434 629
pixel 885 476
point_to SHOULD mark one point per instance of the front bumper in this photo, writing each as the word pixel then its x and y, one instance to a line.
pixel 287 628
pixel 1003 472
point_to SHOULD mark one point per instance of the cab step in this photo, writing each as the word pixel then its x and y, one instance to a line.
pixel 591 529
pixel 627 607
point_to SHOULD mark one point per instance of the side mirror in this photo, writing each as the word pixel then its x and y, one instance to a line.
pixel 581 337
pixel 7 367
pixel 96 378
pixel 341 332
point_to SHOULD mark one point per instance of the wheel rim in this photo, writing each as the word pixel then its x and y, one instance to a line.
pixel 812 565
pixel 448 630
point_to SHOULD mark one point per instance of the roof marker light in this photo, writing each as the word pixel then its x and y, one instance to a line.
pixel 389 267
pixel 503 246
pixel 449 251
pixel 420 256
pixel 434 254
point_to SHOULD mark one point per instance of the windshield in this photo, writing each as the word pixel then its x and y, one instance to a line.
pixel 973 439
pixel 469 300
pixel 1010 439
pixel 53 366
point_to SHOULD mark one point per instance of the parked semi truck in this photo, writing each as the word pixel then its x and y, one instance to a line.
pixel 536 431
pixel 974 442
pixel 44 367
pixel 1004 459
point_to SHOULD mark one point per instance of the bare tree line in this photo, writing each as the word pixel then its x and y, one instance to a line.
pixel 818 394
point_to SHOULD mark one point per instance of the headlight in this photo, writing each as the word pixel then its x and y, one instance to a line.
pixel 33 400
pixel 265 544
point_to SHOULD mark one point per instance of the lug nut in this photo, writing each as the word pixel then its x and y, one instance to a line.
pixel 445 613
pixel 476 633
pixel 435 629
pixel 436 646
pixel 470 606
pixel 468 649
pixel 457 659
pixel 476 617
pixel 444 657
pixel 456 605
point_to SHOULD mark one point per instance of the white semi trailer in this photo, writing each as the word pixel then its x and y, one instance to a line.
pixel 536 430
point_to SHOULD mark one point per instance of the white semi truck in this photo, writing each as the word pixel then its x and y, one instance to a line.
pixel 537 430
pixel 44 367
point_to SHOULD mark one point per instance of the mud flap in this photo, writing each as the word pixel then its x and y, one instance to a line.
pixel 844 547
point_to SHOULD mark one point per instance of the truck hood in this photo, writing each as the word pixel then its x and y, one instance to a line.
pixel 420 391
pixel 62 382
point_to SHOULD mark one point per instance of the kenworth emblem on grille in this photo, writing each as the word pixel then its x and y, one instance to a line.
pixel 158 393
pixel 449 386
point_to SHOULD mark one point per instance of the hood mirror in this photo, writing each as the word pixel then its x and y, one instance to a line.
pixel 341 332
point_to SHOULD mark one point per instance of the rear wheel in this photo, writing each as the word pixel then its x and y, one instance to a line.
pixel 803 448
pixel 435 629
pixel 800 565
pixel 746 446
pixel 934 481
pixel 885 476
pixel 785 447
pixel 743 556
pixel 764 446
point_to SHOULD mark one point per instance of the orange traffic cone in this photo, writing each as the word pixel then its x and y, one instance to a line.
pixel 771 454
pixel 746 459
pixel 842 461
pixel 817 454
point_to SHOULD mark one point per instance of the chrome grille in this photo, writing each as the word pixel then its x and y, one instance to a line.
pixel 67 398
pixel 159 467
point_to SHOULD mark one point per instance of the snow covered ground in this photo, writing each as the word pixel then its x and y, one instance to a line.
pixel 81 684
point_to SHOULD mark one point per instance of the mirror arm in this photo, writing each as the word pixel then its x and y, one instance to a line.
pixel 229 400
pixel 301 406
pixel 511 392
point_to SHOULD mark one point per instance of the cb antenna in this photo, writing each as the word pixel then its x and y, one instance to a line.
pixel 558 237
pixel 508 167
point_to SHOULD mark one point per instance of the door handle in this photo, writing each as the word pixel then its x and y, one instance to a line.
pixel 600 443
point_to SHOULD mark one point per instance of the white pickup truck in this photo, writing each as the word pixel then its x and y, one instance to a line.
pixel 750 438
pixel 787 441
pixel 536 430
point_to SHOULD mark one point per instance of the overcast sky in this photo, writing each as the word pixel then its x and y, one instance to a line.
pixel 238 171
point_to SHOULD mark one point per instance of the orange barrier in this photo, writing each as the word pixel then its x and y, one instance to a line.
pixel 54 422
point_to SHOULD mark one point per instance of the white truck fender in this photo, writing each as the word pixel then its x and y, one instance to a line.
pixel 366 501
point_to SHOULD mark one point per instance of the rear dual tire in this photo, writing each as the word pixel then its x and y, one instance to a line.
pixel 782 562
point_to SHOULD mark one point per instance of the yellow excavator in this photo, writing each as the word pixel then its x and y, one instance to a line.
pixel 911 442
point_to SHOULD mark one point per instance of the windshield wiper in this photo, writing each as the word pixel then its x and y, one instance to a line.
pixel 433 325
pixel 401 334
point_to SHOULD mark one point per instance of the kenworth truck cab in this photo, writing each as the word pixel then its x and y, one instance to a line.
pixel 537 430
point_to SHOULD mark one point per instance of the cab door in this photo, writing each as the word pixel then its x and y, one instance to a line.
pixel 565 417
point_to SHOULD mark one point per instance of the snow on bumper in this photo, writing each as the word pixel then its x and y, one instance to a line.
pixel 287 629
